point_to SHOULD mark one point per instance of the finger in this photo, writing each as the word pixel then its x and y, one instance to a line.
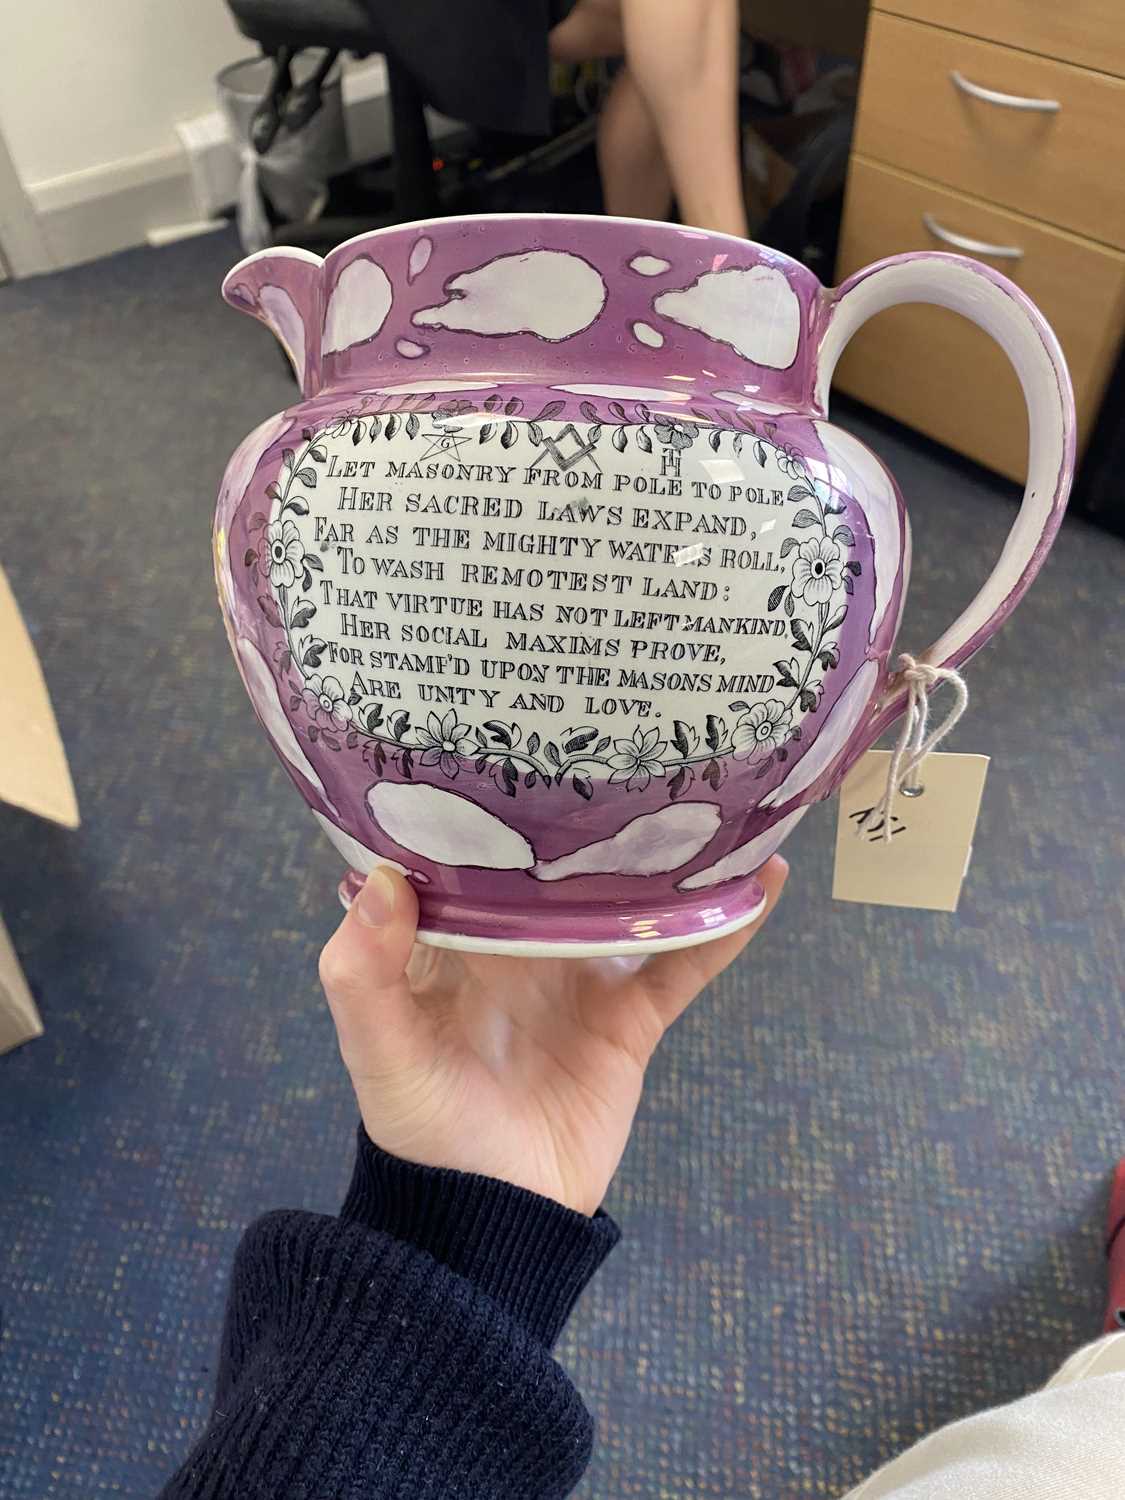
pixel 363 971
pixel 673 980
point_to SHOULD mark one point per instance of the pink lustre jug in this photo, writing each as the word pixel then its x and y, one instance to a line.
pixel 557 589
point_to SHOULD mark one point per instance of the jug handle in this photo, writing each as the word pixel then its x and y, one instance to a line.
pixel 999 307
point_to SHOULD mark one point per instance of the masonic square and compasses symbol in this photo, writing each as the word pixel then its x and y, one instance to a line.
pixel 567 459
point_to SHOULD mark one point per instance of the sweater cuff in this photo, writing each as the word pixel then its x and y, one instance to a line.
pixel 530 1255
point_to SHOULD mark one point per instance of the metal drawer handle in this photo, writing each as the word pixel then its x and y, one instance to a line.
pixel 972 247
pixel 1007 101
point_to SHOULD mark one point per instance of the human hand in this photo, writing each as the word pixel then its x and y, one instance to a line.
pixel 525 1069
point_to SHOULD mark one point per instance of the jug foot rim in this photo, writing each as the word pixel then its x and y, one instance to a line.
pixel 714 915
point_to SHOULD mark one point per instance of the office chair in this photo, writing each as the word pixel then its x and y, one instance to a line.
pixel 282 28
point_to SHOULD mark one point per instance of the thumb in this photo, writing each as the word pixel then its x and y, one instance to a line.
pixel 363 971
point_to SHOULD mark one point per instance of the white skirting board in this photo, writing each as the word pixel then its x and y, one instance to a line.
pixel 95 212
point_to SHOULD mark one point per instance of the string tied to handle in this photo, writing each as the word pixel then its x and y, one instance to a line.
pixel 914 744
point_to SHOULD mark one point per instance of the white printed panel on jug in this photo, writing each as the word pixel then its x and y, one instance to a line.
pixel 447 583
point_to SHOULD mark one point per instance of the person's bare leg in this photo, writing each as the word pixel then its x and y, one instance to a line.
pixel 635 180
pixel 683 56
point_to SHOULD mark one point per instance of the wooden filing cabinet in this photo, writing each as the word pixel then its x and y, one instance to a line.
pixel 945 157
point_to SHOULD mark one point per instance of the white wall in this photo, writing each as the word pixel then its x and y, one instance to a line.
pixel 85 84
pixel 91 92
pixel 90 95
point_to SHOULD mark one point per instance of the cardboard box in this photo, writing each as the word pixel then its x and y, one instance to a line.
pixel 34 775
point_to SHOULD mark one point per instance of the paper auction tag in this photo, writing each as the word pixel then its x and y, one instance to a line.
pixel 931 842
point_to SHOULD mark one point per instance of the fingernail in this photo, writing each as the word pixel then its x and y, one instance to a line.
pixel 375 903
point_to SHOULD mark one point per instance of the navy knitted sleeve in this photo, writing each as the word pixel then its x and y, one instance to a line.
pixel 402 1349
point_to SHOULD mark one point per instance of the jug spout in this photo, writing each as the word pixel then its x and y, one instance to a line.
pixel 282 288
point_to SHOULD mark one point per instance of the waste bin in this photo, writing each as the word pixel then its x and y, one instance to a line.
pixel 291 178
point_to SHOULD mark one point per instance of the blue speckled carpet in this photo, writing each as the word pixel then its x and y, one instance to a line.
pixel 865 1187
